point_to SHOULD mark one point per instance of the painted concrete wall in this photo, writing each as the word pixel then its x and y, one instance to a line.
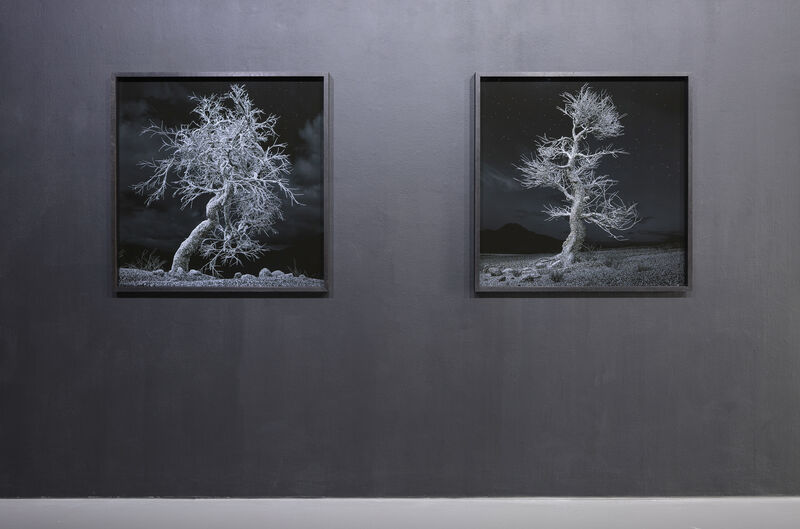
pixel 401 382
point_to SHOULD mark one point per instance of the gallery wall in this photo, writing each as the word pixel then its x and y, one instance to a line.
pixel 401 382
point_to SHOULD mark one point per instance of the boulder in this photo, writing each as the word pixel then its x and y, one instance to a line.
pixel 529 277
pixel 194 273
pixel 159 272
pixel 512 272
pixel 277 273
pixel 237 275
pixel 495 271
pixel 248 277
pixel 264 273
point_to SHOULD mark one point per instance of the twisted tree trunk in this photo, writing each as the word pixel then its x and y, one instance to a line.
pixel 191 244
pixel 577 231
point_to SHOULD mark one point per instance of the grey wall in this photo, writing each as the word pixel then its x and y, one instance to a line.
pixel 401 382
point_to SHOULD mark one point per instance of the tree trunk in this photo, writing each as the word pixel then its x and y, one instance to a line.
pixel 577 231
pixel 192 243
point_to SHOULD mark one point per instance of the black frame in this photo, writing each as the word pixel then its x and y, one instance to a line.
pixel 476 182
pixel 326 187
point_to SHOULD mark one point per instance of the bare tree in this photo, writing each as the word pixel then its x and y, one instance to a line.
pixel 569 165
pixel 230 153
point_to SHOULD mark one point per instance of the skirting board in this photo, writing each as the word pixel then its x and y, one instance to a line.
pixel 511 513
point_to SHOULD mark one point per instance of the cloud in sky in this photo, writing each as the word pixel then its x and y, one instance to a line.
pixel 163 224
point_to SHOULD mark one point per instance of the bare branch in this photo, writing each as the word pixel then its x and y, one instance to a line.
pixel 606 210
pixel 569 165
pixel 554 212
pixel 593 112
pixel 232 153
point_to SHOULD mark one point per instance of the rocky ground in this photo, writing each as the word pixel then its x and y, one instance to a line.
pixel 621 267
pixel 133 277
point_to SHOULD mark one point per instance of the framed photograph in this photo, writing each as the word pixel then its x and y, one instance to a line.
pixel 221 182
pixel 581 183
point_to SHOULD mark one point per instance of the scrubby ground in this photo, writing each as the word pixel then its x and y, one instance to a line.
pixel 620 267
pixel 133 277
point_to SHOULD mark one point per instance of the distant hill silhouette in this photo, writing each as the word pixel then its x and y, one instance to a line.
pixel 514 238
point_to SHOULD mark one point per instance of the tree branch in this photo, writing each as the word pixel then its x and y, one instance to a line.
pixel 230 152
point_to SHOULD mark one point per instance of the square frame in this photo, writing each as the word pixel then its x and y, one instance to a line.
pixel 129 291
pixel 476 183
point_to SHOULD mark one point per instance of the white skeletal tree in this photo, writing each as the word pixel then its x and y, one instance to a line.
pixel 569 164
pixel 231 153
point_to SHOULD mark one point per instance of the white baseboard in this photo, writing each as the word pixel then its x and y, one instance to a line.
pixel 546 513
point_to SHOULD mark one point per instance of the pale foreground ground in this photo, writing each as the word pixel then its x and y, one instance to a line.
pixel 133 277
pixel 620 267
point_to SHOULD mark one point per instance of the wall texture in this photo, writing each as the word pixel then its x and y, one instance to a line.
pixel 401 382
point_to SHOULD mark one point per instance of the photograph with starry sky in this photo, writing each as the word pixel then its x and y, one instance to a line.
pixel 515 112
pixel 160 227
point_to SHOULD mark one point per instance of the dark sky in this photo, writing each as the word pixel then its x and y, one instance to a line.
pixel 163 225
pixel 516 111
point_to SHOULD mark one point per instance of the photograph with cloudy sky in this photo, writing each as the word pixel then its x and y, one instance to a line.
pixel 149 235
pixel 645 237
